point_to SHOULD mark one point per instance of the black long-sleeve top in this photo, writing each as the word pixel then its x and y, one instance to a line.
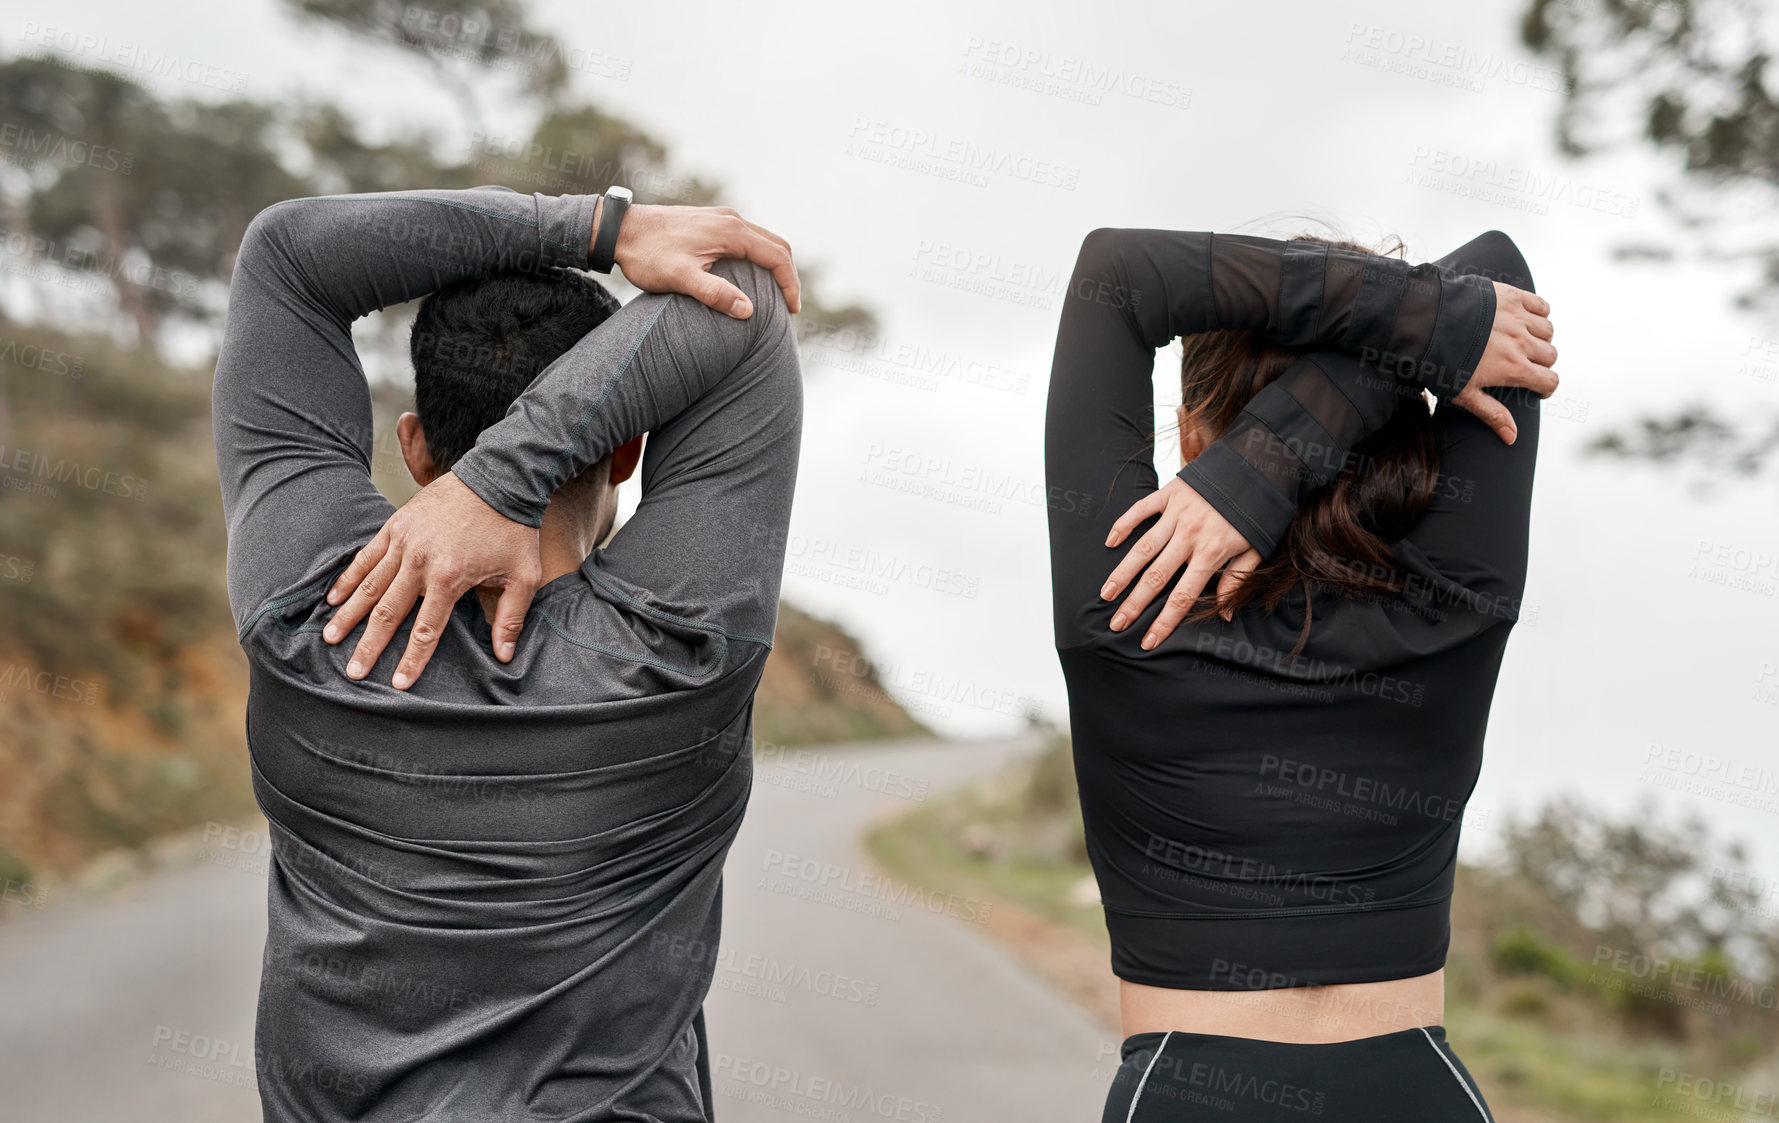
pixel 1254 820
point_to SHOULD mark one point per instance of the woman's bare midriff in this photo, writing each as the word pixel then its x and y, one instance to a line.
pixel 1301 1015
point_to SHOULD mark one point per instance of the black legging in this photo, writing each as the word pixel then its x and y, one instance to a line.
pixel 1410 1075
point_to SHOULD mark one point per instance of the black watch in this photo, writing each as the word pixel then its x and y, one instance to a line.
pixel 605 240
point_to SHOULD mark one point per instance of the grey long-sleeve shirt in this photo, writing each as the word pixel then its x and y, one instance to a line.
pixel 496 896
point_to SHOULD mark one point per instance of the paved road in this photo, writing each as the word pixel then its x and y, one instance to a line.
pixel 838 995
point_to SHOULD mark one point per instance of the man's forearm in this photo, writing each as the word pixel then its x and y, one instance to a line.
pixel 649 362
pixel 353 254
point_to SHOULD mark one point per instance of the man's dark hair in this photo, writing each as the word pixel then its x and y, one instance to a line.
pixel 478 344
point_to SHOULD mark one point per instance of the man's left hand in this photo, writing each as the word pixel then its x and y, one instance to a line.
pixel 671 249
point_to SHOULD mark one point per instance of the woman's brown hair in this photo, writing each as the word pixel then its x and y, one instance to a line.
pixel 1341 538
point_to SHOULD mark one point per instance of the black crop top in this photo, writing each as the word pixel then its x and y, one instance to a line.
pixel 1253 820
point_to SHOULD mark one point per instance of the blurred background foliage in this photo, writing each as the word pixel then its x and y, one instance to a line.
pixel 1689 80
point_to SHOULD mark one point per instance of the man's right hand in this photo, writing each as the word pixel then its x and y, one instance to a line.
pixel 671 249
pixel 436 547
pixel 1519 353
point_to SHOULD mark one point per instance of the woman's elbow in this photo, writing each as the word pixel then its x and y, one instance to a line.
pixel 1102 252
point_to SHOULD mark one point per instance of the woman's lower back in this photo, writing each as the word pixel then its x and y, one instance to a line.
pixel 1298 1015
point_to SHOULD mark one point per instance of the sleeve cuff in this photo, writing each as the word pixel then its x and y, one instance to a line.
pixel 1241 493
pixel 1466 316
pixel 565 229
pixel 469 469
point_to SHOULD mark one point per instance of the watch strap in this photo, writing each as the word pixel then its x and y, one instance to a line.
pixel 605 240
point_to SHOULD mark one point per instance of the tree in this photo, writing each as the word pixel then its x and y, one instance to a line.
pixel 150 196
pixel 1688 77
pixel 451 37
pixel 1646 885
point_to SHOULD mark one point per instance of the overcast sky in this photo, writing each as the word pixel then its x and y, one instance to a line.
pixel 1657 599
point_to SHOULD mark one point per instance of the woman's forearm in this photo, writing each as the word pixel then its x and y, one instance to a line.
pixel 1417 322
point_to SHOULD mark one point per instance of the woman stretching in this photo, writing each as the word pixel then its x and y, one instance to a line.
pixel 1274 767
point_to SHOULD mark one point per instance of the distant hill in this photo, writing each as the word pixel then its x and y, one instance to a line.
pixel 819 687
pixel 122 688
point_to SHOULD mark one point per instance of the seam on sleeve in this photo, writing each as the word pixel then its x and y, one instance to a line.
pixel 593 407
pixel 289 598
pixel 716 658
pixel 667 617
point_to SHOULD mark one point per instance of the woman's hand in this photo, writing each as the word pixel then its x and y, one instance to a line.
pixel 1519 354
pixel 1189 533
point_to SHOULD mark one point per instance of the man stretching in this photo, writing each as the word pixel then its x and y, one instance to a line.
pixel 478 874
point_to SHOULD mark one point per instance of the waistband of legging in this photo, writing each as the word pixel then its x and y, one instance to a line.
pixel 1357 1046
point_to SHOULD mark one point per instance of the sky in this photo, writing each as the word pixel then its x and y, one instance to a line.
pixel 1648 662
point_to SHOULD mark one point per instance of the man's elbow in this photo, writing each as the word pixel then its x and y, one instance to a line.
pixel 267 238
pixel 760 286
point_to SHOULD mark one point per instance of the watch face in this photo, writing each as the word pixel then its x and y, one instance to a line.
pixel 618 192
